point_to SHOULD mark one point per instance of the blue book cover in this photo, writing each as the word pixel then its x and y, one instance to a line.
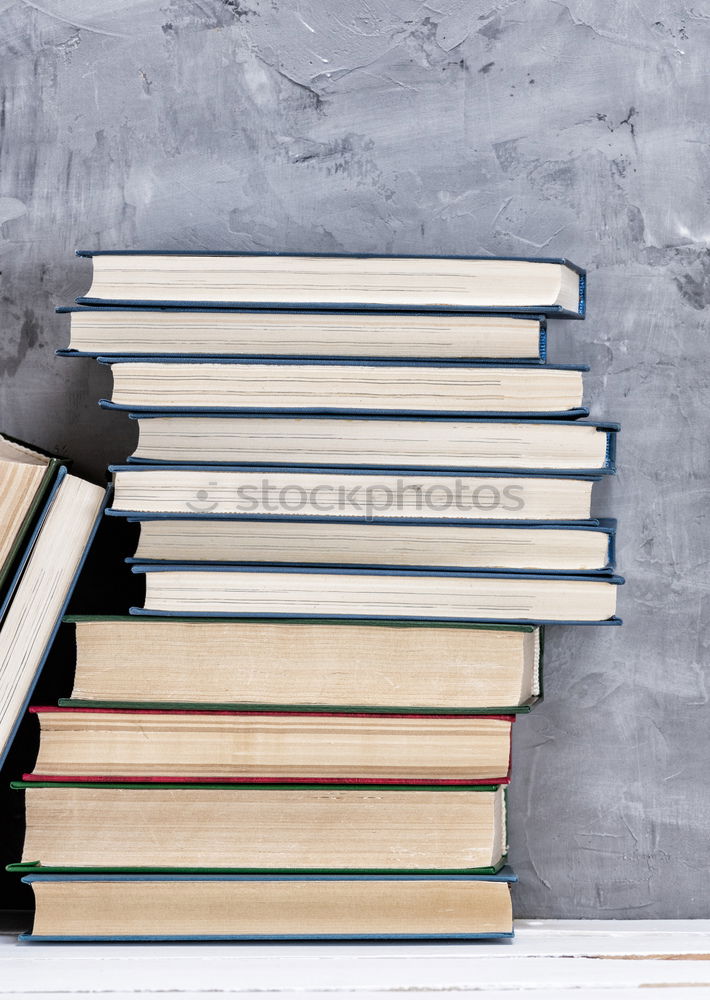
pixel 339 884
pixel 544 308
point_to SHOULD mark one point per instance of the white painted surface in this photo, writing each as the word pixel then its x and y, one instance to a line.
pixel 533 992
pixel 572 959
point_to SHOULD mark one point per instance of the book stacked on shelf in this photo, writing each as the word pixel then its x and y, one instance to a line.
pixel 361 494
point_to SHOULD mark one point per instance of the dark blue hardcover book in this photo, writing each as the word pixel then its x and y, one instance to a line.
pixel 302 348
pixel 311 398
pixel 364 299
pixel 385 431
pixel 218 492
pixel 14 656
pixel 605 527
pixel 315 593
pixel 326 907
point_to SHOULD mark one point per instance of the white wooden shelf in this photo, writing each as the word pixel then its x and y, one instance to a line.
pixel 548 960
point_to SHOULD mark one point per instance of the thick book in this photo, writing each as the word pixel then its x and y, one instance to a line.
pixel 206 385
pixel 307 333
pixel 378 441
pixel 544 285
pixel 266 747
pixel 154 907
pixel 219 492
pixel 355 666
pixel 519 547
pixel 285 591
pixel 40 593
pixel 26 477
pixel 338 829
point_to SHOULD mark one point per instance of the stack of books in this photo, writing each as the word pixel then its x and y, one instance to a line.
pixel 361 493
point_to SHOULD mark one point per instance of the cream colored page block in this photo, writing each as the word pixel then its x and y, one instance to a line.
pixel 333 441
pixel 282 663
pixel 18 488
pixel 181 745
pixel 360 387
pixel 363 495
pixel 40 595
pixel 303 334
pixel 263 828
pixel 13 451
pixel 314 542
pixel 365 594
pixel 433 282
pixel 272 907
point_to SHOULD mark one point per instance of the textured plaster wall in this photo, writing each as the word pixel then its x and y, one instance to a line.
pixel 455 126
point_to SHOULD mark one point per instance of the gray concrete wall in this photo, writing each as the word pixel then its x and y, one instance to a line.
pixel 548 127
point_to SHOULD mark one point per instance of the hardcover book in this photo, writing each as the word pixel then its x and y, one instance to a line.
pixel 520 547
pixel 250 828
pixel 431 496
pixel 284 592
pixel 376 441
pixel 38 596
pixel 348 387
pixel 270 907
pixel 337 281
pixel 314 665
pixel 266 747
pixel 256 333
